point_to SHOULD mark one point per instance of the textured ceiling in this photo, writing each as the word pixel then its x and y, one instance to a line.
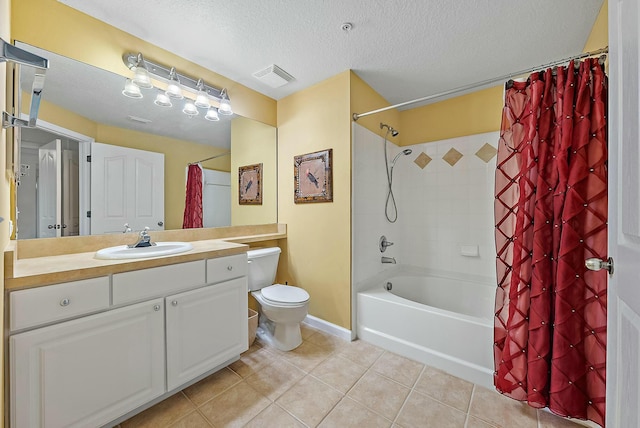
pixel 404 49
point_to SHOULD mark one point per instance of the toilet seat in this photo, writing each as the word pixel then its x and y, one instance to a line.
pixel 284 295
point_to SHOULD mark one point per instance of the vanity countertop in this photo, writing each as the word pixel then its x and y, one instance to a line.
pixel 46 270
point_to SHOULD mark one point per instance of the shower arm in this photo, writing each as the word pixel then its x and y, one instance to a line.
pixel 14 54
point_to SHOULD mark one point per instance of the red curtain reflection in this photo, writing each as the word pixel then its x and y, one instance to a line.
pixel 193 201
pixel 551 215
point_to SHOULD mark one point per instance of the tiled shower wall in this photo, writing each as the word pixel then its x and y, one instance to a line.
pixel 444 191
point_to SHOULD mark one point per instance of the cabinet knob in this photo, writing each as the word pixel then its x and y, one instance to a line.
pixel 65 302
pixel 156 308
pixel 229 267
pixel 174 303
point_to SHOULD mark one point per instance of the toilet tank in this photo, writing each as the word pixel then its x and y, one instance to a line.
pixel 263 264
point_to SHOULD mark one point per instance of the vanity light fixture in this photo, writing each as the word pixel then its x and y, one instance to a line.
pixel 212 114
pixel 177 83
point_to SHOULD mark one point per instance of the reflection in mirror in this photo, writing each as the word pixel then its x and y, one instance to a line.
pixel 83 105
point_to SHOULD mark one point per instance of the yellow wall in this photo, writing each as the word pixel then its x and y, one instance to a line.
pixel 364 99
pixel 58 28
pixel 468 114
pixel 251 143
pixel 317 253
pixel 5 188
pixel 599 36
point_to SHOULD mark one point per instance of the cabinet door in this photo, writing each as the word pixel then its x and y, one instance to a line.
pixel 205 328
pixel 88 371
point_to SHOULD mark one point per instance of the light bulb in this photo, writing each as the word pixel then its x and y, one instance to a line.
pixel 162 100
pixel 202 100
pixel 141 78
pixel 225 107
pixel 173 89
pixel 212 115
pixel 190 109
pixel 131 90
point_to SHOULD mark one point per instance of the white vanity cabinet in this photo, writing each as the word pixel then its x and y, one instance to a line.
pixel 89 371
pixel 156 330
pixel 205 329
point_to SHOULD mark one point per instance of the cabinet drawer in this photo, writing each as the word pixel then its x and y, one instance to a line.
pixel 148 283
pixel 57 302
pixel 224 268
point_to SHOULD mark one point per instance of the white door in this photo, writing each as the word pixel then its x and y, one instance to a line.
pixel 89 371
pixel 205 328
pixel 49 189
pixel 623 337
pixel 127 186
pixel 70 193
pixel 216 199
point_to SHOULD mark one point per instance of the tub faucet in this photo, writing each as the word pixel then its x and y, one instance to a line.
pixel 391 260
pixel 144 240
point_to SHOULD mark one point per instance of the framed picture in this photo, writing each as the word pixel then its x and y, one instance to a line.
pixel 250 184
pixel 313 180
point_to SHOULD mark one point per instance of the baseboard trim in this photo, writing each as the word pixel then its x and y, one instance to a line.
pixel 328 327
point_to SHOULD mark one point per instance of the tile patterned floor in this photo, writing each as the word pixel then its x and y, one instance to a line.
pixel 329 382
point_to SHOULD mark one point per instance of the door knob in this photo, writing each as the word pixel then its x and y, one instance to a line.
pixel 598 264
pixel 160 223
pixel 50 226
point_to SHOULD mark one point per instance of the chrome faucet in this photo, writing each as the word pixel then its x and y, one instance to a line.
pixel 391 260
pixel 127 229
pixel 144 240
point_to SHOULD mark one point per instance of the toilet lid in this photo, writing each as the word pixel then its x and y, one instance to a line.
pixel 285 294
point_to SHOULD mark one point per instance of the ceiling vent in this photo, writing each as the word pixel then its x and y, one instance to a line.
pixel 273 76
pixel 138 119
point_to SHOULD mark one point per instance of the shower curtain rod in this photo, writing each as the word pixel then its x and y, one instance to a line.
pixel 357 116
pixel 212 157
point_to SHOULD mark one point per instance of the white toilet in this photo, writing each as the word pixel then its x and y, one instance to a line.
pixel 282 307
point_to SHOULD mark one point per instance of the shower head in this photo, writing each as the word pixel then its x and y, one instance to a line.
pixel 390 130
pixel 405 152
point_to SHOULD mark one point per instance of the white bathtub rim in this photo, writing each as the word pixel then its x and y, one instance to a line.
pixel 381 294
pixel 409 270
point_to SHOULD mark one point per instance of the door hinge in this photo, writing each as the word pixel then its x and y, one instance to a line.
pixel 88 214
pixel 88 158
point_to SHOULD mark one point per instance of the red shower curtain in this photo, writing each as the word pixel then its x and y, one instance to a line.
pixel 193 201
pixel 551 215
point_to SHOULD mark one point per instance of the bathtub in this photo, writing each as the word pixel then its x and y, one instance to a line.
pixel 442 322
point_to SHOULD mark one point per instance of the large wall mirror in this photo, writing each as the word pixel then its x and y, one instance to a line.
pixel 83 108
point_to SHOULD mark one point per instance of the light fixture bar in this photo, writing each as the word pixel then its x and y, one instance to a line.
pixel 131 60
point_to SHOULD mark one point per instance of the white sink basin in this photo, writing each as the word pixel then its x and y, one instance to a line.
pixel 160 249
